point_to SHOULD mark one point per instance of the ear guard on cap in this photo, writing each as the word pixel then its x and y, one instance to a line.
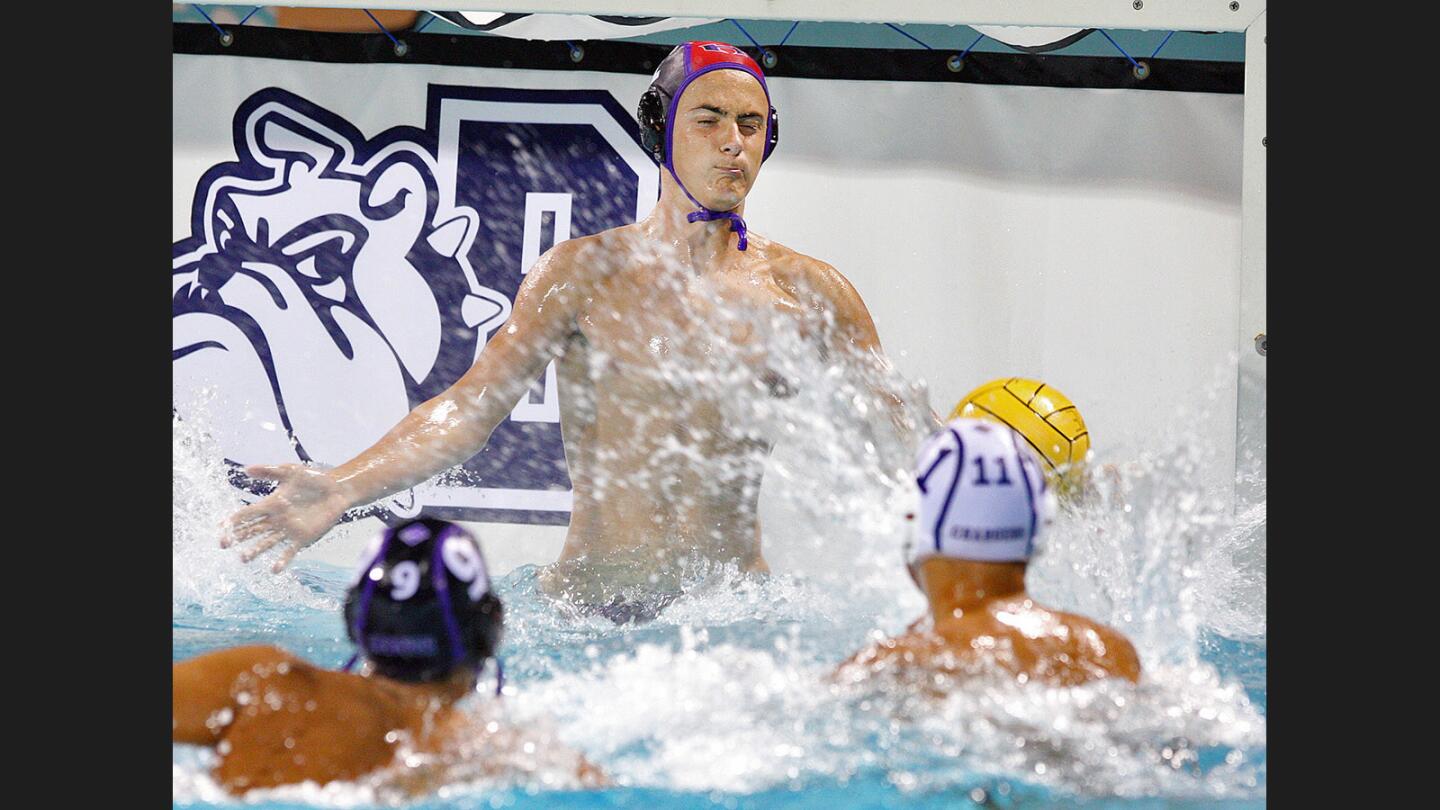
pixel 772 135
pixel 651 115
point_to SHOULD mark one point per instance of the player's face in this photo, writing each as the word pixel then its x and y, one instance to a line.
pixel 719 137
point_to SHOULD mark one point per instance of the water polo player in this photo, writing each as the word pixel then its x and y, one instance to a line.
pixel 426 623
pixel 983 504
pixel 648 322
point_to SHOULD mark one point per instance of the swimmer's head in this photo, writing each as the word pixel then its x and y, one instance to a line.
pixel 707 118
pixel 982 493
pixel 1045 418
pixel 420 607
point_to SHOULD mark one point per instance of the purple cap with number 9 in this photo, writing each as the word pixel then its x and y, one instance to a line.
pixel 420 605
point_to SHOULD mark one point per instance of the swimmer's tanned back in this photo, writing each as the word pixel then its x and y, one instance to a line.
pixel 275 719
pixel 665 460
pixel 983 501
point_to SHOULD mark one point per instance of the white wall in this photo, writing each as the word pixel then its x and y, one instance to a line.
pixel 1089 238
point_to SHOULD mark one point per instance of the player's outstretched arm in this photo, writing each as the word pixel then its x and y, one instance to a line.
pixel 435 436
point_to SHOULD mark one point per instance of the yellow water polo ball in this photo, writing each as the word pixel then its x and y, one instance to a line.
pixel 1043 416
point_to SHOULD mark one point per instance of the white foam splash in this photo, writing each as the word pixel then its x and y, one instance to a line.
pixel 1156 555
pixel 203 575
pixel 724 717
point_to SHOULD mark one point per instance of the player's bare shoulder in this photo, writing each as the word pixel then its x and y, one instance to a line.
pixel 583 261
pixel 1100 642
pixel 565 262
pixel 819 288
pixel 798 275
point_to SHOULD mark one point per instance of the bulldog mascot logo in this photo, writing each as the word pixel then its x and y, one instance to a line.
pixel 332 282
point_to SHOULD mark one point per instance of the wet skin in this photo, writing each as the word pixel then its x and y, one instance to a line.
pixel 656 382
pixel 981 620
pixel 653 324
pixel 276 720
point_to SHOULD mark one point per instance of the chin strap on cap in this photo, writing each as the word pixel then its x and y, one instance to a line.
pixel 737 223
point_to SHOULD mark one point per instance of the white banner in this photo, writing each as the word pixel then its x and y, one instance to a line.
pixel 346 236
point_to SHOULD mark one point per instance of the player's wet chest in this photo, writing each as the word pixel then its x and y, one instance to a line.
pixel 650 318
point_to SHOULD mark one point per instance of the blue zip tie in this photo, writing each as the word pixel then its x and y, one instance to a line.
pixel 791 31
pixel 747 35
pixel 966 52
pixel 761 48
pixel 207 18
pixel 897 28
pixel 251 14
pixel 1120 49
pixel 428 20
pixel 1162 43
pixel 393 40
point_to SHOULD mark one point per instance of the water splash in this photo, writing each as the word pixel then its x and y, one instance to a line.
pixel 1158 551
pixel 726 717
pixel 729 689
pixel 206 579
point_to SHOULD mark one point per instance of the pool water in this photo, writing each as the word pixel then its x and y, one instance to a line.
pixel 723 702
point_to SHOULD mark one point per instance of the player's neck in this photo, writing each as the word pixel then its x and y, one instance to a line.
pixel 704 242
pixel 956 587
pixel 443 692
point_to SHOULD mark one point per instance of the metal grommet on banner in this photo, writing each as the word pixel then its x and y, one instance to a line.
pixel 1138 4
pixel 956 63
pixel 1141 70
pixel 577 52
pixel 767 57
pixel 399 45
pixel 1260 344
pixel 225 36
pixel 1135 67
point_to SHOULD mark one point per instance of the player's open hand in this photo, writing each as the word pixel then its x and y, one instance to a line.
pixel 302 508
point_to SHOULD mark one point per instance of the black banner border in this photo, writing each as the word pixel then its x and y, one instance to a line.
pixel 610 56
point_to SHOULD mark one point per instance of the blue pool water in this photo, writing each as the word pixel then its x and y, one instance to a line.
pixel 722 702
pixel 726 700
